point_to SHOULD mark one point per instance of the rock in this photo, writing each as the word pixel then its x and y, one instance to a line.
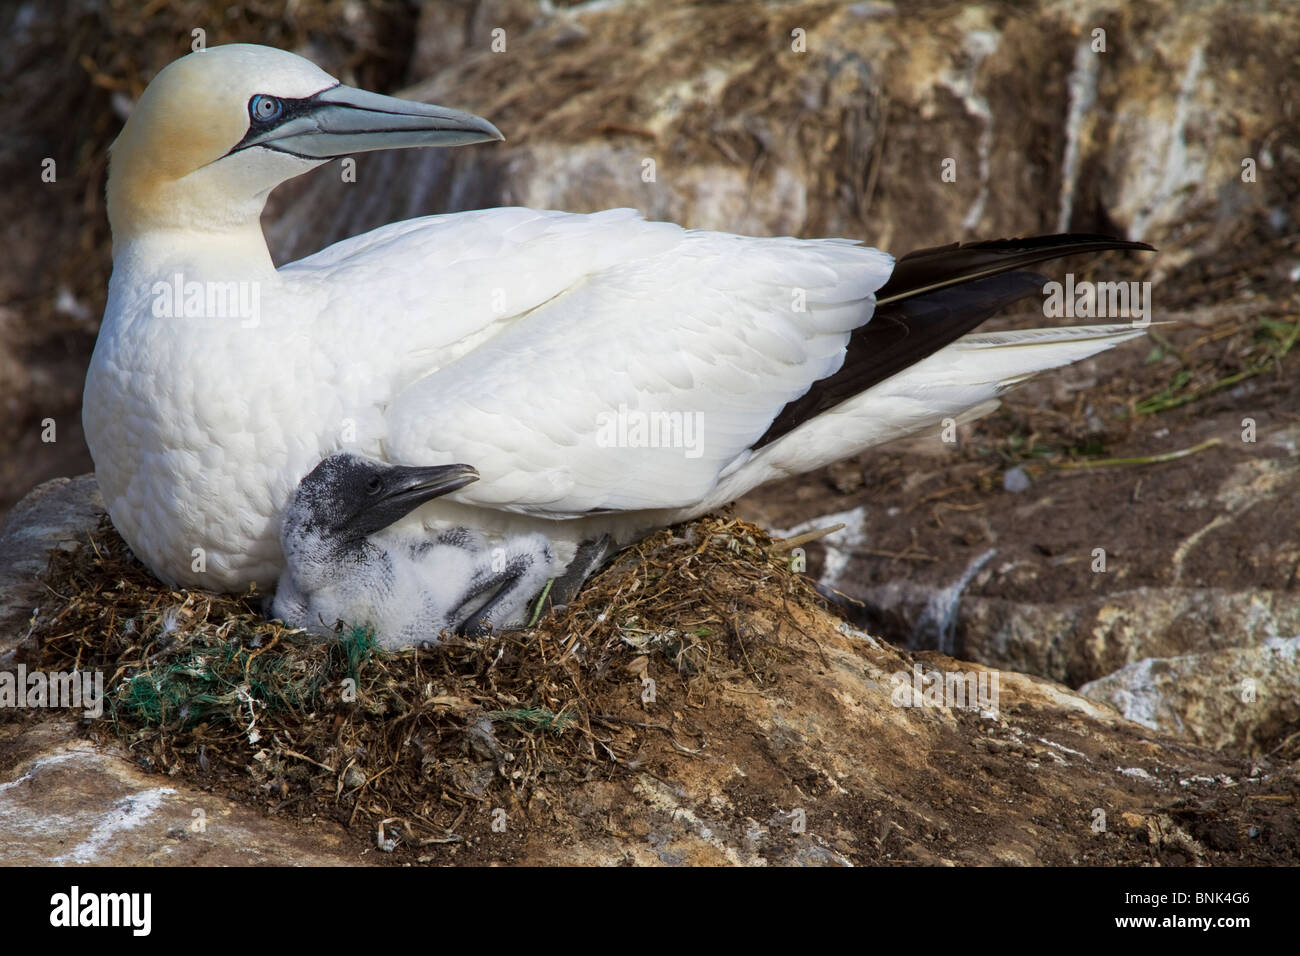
pixel 1077 641
pixel 1242 699
pixel 1015 480
pixel 67 803
pixel 1071 578
pixel 811 119
pixel 53 515
pixel 822 767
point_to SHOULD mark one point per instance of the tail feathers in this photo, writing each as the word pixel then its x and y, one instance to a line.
pixel 1005 359
pixel 939 267
pixel 960 382
pixel 1067 335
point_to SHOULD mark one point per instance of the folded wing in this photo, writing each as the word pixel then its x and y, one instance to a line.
pixel 639 386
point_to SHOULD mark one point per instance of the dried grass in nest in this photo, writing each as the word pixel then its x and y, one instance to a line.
pixel 410 743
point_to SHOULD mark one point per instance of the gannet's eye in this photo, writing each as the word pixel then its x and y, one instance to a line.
pixel 264 108
pixel 374 485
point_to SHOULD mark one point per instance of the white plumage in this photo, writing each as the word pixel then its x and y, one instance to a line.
pixel 505 338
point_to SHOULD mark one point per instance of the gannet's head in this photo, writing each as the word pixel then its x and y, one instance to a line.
pixel 347 497
pixel 218 129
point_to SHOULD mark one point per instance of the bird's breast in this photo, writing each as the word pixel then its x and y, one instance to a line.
pixel 201 427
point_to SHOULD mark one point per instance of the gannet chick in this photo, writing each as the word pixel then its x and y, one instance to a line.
pixel 408 589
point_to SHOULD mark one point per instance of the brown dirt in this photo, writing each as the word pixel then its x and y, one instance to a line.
pixel 933 508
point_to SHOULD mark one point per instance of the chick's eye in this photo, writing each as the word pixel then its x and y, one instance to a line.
pixel 374 485
pixel 264 108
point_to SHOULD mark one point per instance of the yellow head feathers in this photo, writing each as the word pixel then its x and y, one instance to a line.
pixel 193 113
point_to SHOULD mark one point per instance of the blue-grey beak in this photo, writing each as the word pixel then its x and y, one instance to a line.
pixel 341 120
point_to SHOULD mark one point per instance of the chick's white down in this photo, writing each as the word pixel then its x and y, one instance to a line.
pixel 408 590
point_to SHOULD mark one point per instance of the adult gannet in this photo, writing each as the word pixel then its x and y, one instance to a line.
pixel 407 589
pixel 545 347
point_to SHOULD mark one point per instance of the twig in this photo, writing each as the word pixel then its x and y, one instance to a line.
pixel 785 544
pixel 294 753
pixel 1143 460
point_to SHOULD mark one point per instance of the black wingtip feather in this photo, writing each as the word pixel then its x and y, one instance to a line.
pixel 901 334
pixel 933 297
pixel 925 270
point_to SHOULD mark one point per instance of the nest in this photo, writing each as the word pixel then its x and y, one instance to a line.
pixel 408 744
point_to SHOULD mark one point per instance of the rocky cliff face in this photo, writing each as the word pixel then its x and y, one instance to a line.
pixel 842 119
pixel 1126 527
